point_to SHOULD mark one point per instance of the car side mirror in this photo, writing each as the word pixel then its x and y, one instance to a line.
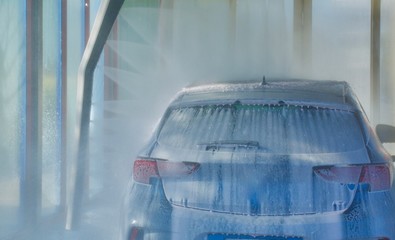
pixel 386 134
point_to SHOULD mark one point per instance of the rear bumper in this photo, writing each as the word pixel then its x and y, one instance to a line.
pixel 370 216
pixel 318 226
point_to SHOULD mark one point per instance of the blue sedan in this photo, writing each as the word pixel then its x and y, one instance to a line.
pixel 273 160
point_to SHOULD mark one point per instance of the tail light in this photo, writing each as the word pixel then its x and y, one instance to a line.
pixel 136 233
pixel 145 169
pixel 377 175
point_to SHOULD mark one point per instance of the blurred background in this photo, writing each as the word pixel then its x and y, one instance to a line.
pixel 154 49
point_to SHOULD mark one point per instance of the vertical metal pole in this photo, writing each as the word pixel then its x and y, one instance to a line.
pixel 232 32
pixel 87 23
pixel 165 30
pixel 34 56
pixel 233 21
pixel 63 148
pixel 302 59
pixel 85 183
pixel 105 19
pixel 387 77
pixel 375 60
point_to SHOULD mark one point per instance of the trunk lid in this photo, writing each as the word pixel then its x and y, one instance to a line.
pixel 251 183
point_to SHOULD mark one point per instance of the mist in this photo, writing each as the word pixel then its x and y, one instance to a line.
pixel 153 52
pixel 160 51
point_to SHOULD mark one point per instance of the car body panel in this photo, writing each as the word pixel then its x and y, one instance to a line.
pixel 243 182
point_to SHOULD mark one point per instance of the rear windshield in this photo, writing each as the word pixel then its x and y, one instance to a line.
pixel 275 129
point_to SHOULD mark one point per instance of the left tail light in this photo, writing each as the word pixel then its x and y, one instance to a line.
pixel 145 169
pixel 377 175
pixel 136 233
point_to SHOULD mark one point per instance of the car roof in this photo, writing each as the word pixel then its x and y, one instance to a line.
pixel 320 93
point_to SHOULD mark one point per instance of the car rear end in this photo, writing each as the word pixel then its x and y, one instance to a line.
pixel 262 169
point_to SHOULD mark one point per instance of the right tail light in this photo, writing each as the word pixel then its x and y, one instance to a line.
pixel 377 175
